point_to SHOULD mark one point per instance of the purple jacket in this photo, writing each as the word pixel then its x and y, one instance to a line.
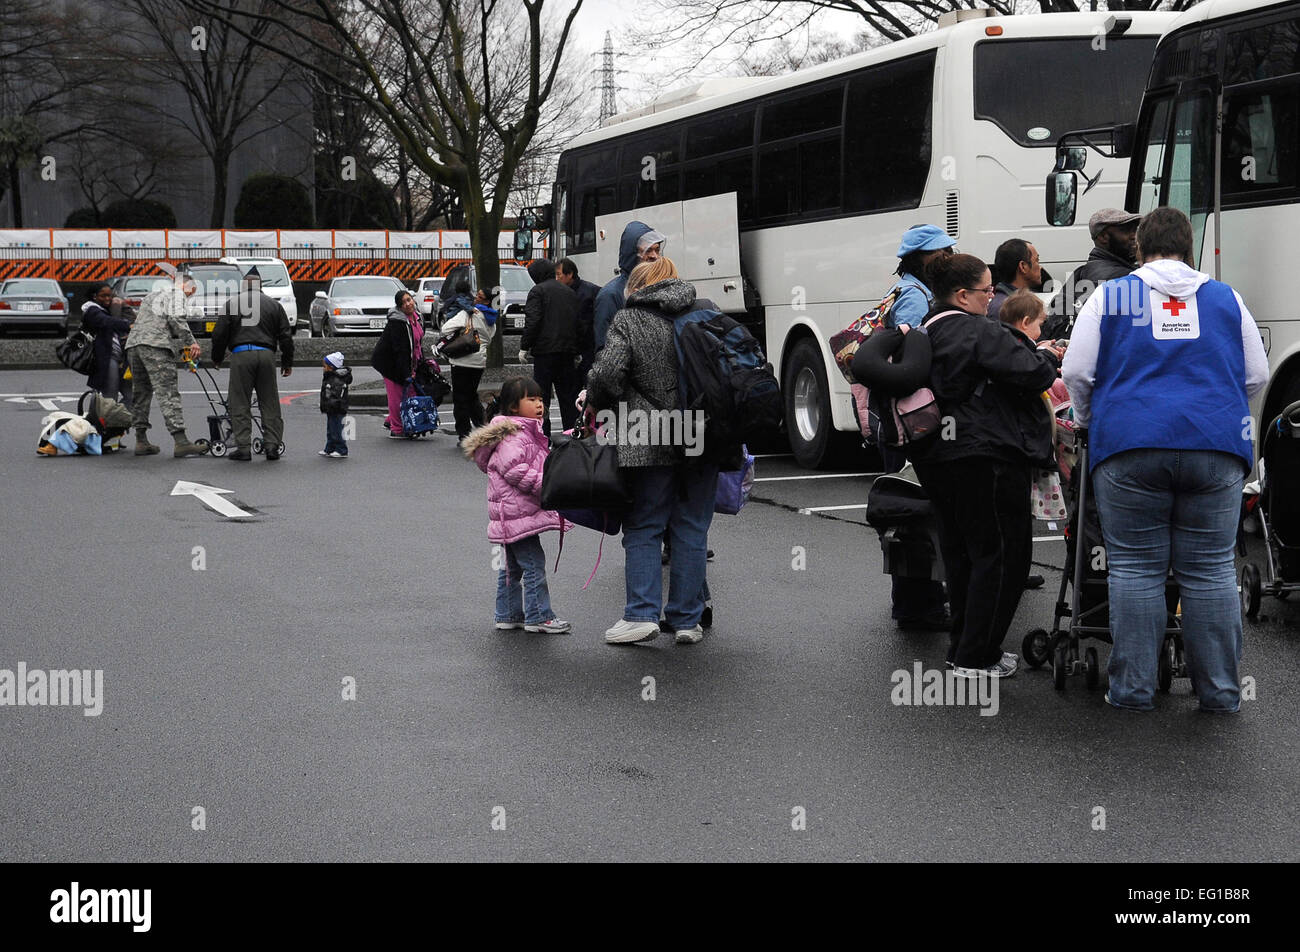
pixel 512 451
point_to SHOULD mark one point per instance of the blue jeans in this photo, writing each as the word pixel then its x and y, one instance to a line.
pixel 334 442
pixel 522 594
pixel 679 501
pixel 1179 508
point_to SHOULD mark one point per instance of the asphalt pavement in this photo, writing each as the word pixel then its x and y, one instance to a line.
pixel 776 738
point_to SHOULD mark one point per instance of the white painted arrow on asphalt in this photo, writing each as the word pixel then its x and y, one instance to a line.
pixel 210 496
pixel 46 403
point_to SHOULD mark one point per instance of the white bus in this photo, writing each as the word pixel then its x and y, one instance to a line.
pixel 1244 54
pixel 830 165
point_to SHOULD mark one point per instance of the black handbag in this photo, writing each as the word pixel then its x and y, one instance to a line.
pixel 430 382
pixel 77 352
pixel 462 342
pixel 581 472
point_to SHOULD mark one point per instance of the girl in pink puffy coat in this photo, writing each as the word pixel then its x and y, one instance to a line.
pixel 512 450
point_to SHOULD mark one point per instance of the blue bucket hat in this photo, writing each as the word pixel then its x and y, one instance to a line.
pixel 925 238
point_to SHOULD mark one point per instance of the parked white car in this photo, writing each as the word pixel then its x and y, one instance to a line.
pixel 426 297
pixel 276 283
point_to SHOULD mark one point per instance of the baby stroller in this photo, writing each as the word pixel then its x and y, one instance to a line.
pixel 1278 508
pixel 220 429
pixel 899 509
pixel 1085 576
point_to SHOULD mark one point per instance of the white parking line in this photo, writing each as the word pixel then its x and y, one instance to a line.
pixel 812 509
pixel 1048 538
pixel 782 479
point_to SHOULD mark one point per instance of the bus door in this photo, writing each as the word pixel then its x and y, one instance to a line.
pixel 703 241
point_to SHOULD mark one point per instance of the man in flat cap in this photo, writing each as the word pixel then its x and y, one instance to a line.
pixel 1113 255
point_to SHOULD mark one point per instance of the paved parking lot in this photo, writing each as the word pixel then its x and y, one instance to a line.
pixel 226 686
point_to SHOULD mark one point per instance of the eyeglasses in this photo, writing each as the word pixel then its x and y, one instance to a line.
pixel 990 290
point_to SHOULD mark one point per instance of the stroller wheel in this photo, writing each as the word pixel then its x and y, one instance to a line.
pixel 1250 590
pixel 1091 669
pixel 1060 662
pixel 257 445
pixel 281 448
pixel 217 449
pixel 1036 649
pixel 1165 668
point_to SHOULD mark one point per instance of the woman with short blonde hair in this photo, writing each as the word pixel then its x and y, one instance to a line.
pixel 650 272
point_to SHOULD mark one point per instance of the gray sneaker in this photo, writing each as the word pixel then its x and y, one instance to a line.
pixel 999 670
pixel 552 627
pixel 690 636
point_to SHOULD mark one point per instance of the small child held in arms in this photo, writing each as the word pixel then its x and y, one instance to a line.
pixel 1025 313
pixel 512 450
pixel 334 404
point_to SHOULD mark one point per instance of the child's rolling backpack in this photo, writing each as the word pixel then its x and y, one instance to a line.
pixel 419 413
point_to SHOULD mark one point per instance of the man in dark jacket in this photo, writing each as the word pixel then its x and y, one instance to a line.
pixel 1015 266
pixel 566 272
pixel 639 243
pixel 1114 254
pixel 252 326
pixel 109 320
pixel 550 341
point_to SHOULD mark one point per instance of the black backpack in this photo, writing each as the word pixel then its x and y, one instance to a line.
pixel 722 371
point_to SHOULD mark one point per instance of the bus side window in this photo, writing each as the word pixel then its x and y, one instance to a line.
pixel 887 135
pixel 1261 139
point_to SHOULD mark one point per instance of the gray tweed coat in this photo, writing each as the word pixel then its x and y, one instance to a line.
pixel 639 365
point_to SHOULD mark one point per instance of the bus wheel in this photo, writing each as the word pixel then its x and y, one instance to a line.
pixel 808 405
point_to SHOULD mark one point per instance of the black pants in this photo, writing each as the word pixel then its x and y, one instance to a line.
pixel 464 398
pixel 986 532
pixel 254 370
pixel 913 599
pixel 557 370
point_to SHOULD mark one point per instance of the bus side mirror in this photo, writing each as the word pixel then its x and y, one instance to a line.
pixel 523 244
pixel 1071 159
pixel 1062 196
pixel 1122 139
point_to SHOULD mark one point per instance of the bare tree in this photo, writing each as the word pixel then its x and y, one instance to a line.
pixel 426 70
pixel 226 74
pixel 728 32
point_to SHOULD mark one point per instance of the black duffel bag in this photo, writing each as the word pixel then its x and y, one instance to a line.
pixel 77 352
pixel 582 472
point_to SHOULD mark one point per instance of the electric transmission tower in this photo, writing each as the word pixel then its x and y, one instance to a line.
pixel 608 83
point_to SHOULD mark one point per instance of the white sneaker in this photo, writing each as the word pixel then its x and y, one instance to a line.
pixel 337 455
pixel 322 453
pixel 552 627
pixel 509 625
pixel 690 636
pixel 632 632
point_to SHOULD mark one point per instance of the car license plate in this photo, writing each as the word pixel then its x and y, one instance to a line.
pixel 209 326
pixel 377 323
pixel 519 322
pixel 28 306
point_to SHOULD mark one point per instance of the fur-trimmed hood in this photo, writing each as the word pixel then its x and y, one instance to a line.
pixel 482 441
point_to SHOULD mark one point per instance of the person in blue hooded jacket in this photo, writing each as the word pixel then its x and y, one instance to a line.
pixel 639 243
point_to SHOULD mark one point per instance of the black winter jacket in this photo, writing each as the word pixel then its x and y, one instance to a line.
pixel 586 292
pixel 334 390
pixel 105 327
pixel 392 353
pixel 550 319
pixel 991 386
pixel 270 330
pixel 1101 266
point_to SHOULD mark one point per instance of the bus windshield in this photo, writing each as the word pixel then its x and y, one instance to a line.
pixel 1095 81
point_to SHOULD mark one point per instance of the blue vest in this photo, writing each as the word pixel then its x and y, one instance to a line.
pixel 1184 392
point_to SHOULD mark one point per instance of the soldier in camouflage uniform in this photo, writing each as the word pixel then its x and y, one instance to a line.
pixel 152 355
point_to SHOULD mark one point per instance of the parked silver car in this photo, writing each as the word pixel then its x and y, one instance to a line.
pixel 132 288
pixel 354 305
pixel 33 303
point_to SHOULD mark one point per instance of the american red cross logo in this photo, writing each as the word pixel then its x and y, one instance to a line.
pixel 1174 306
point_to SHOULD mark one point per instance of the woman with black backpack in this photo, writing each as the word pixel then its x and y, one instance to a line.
pixel 977 469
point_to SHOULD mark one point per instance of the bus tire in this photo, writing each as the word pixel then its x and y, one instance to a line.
pixel 808 406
